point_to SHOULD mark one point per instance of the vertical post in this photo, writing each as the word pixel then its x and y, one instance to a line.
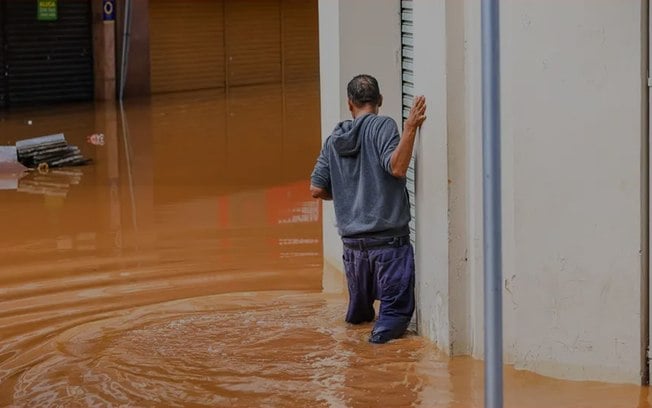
pixel 104 58
pixel 646 307
pixel 126 33
pixel 493 313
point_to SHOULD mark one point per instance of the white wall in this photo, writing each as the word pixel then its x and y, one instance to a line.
pixel 572 135
pixel 458 180
pixel 355 37
pixel 432 174
pixel 331 103
pixel 573 114
pixel 473 166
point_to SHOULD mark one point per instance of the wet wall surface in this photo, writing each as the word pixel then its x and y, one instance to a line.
pixel 183 268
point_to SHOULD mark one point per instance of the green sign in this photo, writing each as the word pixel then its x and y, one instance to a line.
pixel 47 10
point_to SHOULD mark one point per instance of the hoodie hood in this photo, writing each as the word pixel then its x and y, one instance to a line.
pixel 346 136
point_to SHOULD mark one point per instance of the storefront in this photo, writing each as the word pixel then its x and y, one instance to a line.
pixel 46 52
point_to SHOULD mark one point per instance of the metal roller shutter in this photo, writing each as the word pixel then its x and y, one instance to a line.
pixel 202 44
pixel 187 45
pixel 300 37
pixel 47 61
pixel 3 73
pixel 253 32
pixel 407 46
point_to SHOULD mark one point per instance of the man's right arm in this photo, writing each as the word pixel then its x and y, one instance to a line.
pixel 320 180
pixel 318 192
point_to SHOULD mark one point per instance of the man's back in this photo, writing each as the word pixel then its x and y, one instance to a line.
pixel 354 166
pixel 362 168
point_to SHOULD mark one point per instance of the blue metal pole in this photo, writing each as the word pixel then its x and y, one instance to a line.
pixel 493 311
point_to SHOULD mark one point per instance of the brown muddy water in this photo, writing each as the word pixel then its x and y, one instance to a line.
pixel 183 268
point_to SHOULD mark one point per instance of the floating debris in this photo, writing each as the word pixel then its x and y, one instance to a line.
pixel 9 161
pixel 51 151
pixel 10 169
pixel 96 139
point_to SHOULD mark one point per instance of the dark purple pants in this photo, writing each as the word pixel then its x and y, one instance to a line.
pixel 380 273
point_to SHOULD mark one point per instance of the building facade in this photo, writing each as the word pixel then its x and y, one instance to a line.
pixel 54 51
pixel 575 139
pixel 575 170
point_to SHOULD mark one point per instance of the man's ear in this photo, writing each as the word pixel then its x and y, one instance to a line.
pixel 380 101
pixel 350 105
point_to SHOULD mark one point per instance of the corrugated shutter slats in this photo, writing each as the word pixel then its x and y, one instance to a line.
pixel 203 44
pixel 47 61
pixel 187 45
pixel 253 32
pixel 407 47
pixel 300 41
pixel 3 75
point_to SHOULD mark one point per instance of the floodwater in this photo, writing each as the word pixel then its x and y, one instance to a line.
pixel 183 268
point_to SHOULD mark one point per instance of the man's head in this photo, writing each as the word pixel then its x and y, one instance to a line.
pixel 364 94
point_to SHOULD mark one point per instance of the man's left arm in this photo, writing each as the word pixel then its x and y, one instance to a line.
pixel 396 152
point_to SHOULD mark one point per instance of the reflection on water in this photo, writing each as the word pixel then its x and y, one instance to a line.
pixel 179 204
pixel 183 268
pixel 55 183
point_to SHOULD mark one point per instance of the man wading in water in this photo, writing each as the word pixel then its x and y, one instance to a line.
pixel 362 168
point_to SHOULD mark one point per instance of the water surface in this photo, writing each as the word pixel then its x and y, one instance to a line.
pixel 183 268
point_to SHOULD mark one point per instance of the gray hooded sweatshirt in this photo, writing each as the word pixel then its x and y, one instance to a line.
pixel 354 167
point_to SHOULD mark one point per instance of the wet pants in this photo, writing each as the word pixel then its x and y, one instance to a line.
pixel 375 271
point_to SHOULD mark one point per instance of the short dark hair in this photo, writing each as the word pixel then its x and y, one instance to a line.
pixel 363 89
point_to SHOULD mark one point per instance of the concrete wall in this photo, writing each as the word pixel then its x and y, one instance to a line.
pixel 445 219
pixel 573 131
pixel 572 119
pixel 458 180
pixel 347 48
pixel 433 295
pixel 574 128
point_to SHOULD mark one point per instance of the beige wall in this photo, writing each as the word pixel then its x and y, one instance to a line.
pixel 572 138
pixel 432 250
pixel 572 118
pixel 573 131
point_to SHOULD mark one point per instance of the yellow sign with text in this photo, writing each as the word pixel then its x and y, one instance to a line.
pixel 47 10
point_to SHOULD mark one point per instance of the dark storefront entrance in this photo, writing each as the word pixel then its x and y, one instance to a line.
pixel 45 58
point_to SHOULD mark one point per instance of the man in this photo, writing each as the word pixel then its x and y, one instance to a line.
pixel 362 168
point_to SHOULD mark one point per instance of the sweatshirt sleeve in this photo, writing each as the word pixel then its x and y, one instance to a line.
pixel 386 143
pixel 321 174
